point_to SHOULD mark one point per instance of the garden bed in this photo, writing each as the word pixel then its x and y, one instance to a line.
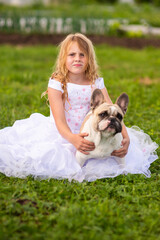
pixel 33 39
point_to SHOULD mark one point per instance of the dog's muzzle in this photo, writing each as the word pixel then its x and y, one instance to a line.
pixel 114 124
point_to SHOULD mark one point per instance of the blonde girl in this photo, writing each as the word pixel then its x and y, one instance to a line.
pixel 45 147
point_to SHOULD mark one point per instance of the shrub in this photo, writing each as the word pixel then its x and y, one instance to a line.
pixel 156 2
pixel 107 1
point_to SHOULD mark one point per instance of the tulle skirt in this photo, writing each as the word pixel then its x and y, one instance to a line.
pixel 33 146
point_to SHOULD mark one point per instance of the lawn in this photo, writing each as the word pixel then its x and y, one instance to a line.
pixel 122 208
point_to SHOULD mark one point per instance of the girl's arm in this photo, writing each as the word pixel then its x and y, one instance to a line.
pixel 57 108
pixel 106 95
pixel 125 144
pixel 126 141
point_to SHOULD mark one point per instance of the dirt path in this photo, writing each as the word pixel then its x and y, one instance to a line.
pixel 33 39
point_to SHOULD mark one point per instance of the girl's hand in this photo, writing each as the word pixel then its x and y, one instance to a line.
pixel 81 144
pixel 122 151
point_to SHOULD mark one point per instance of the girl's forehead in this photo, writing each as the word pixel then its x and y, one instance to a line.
pixel 74 46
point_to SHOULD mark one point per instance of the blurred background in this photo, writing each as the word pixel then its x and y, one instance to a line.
pixel 118 18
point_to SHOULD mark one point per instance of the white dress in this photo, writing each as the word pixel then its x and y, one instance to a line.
pixel 33 146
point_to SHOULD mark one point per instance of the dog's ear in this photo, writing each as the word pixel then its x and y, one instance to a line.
pixel 122 101
pixel 97 98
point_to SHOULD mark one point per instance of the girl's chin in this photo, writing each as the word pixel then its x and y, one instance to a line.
pixel 77 72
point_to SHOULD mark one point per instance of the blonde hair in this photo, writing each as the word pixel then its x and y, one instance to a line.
pixel 61 72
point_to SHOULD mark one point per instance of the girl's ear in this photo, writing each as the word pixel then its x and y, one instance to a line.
pixel 97 98
pixel 122 101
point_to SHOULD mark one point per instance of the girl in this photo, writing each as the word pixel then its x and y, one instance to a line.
pixel 45 147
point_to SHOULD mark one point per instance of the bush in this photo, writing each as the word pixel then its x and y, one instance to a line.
pixel 156 2
pixel 107 1
pixel 143 1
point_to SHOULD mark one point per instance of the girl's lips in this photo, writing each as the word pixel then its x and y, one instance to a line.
pixel 77 65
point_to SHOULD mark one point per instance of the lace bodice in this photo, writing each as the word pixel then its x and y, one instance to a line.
pixel 78 103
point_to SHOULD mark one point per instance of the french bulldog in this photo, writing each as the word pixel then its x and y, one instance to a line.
pixel 103 123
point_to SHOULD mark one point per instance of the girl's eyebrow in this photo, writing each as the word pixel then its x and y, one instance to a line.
pixel 75 52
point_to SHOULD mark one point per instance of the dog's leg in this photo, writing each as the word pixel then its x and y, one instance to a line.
pixel 81 158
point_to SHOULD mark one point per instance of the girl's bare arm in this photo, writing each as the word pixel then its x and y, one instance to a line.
pixel 58 111
pixel 106 95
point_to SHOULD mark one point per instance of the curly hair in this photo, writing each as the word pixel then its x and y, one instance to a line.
pixel 61 72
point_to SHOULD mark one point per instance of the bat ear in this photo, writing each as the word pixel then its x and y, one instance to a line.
pixel 122 101
pixel 97 98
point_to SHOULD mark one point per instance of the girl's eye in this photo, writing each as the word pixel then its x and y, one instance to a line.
pixel 71 54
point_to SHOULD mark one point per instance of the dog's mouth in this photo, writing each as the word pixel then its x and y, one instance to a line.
pixel 115 128
pixel 111 127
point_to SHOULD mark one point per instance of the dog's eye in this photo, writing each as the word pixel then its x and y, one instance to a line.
pixel 119 116
pixel 103 114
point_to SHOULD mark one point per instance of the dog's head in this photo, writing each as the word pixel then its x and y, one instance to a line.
pixel 108 118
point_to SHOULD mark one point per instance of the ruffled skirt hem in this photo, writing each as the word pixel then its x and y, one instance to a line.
pixel 33 147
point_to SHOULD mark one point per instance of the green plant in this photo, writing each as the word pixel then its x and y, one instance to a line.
pixel 136 34
pixel 156 2
pixel 107 1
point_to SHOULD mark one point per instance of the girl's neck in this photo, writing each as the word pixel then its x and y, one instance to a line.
pixel 78 79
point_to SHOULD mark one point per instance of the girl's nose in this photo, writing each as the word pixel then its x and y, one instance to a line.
pixel 77 57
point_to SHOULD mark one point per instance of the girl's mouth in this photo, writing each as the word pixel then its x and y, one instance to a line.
pixel 77 65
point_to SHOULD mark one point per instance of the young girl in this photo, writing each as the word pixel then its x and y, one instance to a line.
pixel 45 147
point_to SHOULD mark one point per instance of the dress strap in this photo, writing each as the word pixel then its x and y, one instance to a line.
pixel 55 84
pixel 100 83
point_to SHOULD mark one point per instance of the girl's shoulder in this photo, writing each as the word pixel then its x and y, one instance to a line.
pixel 54 79
pixel 55 84
pixel 99 82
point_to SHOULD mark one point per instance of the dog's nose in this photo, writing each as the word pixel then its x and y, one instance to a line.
pixel 112 119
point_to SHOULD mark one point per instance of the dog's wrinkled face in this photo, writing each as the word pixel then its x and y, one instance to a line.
pixel 108 118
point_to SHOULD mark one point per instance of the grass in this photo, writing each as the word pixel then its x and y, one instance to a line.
pixel 125 207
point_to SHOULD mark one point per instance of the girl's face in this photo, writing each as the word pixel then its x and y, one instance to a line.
pixel 76 61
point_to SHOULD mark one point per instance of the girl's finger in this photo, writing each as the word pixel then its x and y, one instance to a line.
pixel 84 152
pixel 122 154
pixel 83 134
pixel 116 152
pixel 88 147
pixel 88 143
pixel 85 140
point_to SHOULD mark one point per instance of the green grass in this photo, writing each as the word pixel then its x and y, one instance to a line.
pixel 122 208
